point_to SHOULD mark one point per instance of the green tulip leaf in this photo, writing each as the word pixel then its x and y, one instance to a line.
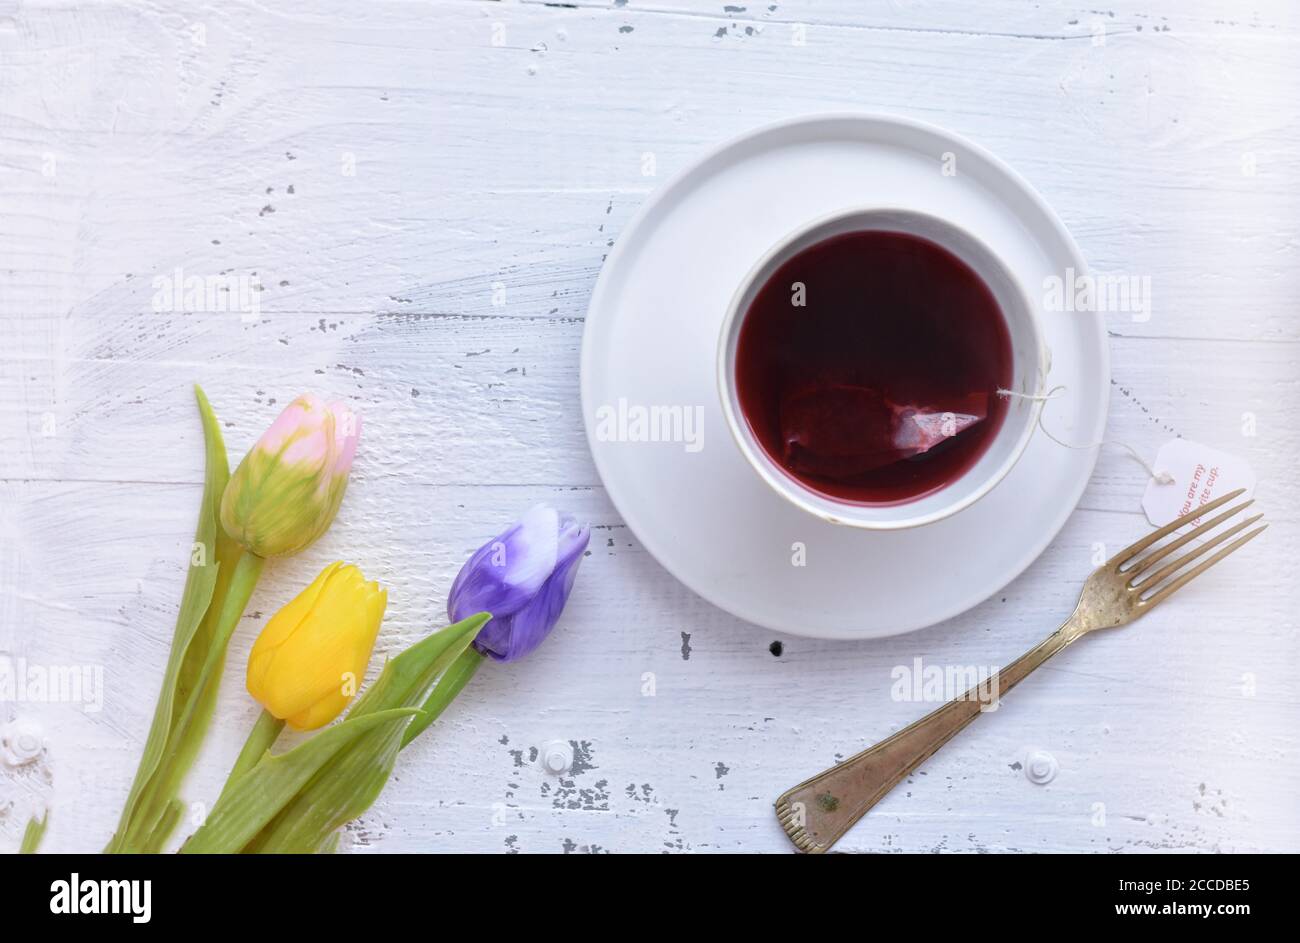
pixel 258 796
pixel 166 824
pixel 406 678
pixel 451 683
pixel 33 834
pixel 355 776
pixel 187 650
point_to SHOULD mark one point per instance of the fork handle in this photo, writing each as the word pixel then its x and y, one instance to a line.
pixel 818 811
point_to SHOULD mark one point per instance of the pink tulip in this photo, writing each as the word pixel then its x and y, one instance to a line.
pixel 286 491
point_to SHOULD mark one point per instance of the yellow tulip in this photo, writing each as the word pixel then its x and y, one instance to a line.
pixel 309 660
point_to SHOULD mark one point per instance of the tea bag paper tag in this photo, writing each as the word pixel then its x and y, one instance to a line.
pixel 1200 474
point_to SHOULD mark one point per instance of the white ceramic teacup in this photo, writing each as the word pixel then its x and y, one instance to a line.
pixel 1029 368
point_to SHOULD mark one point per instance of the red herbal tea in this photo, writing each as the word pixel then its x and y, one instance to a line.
pixel 868 367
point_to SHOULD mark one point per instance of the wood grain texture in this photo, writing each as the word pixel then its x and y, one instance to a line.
pixel 424 195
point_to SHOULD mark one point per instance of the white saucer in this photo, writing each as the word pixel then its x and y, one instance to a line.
pixel 651 340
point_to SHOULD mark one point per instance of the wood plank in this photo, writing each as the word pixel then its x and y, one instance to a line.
pixel 1133 718
pixel 437 202
pixel 459 170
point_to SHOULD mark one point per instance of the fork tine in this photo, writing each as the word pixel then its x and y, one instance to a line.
pixel 1170 568
pixel 1165 592
pixel 1133 549
pixel 1160 553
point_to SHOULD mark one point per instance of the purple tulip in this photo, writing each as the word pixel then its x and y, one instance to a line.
pixel 523 577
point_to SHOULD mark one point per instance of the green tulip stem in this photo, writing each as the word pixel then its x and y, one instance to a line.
pixel 444 692
pixel 242 584
pixel 260 739
pixel 167 780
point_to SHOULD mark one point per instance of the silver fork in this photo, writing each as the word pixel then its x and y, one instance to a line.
pixel 818 811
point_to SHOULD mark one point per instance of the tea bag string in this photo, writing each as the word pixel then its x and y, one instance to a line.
pixel 1160 477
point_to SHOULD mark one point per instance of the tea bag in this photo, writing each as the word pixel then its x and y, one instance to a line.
pixel 841 431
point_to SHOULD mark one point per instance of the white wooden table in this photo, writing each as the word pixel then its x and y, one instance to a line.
pixel 424 193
